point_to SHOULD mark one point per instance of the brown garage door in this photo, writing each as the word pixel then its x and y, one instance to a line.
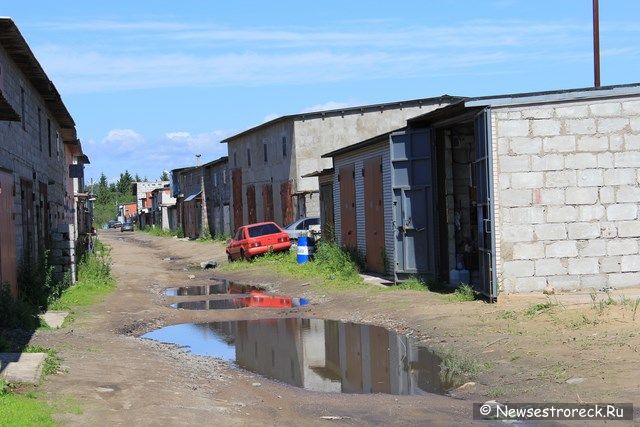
pixel 7 233
pixel 374 214
pixel 286 193
pixel 236 180
pixel 267 202
pixel 348 207
pixel 251 203
pixel 326 211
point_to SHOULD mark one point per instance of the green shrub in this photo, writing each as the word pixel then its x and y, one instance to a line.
pixel 37 282
pixel 464 293
pixel 16 312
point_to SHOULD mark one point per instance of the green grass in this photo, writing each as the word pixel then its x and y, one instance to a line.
pixel 160 232
pixel 332 266
pixel 51 363
pixel 539 308
pixel 456 368
pixel 94 281
pixel 463 293
pixel 24 410
pixel 412 284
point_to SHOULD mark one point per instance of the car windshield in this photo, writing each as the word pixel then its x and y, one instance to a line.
pixel 291 226
pixel 263 229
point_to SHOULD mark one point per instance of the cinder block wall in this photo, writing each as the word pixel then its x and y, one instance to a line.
pixel 569 195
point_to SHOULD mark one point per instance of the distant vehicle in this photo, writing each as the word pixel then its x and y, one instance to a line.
pixel 111 223
pixel 255 239
pixel 301 227
pixel 117 224
pixel 127 226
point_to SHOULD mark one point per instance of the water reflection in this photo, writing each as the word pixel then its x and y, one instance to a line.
pixel 319 355
pixel 255 300
pixel 222 287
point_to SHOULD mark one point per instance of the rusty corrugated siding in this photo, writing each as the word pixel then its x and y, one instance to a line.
pixel 348 230
pixel 374 214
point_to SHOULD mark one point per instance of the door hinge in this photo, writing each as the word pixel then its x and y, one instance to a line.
pixel 363 172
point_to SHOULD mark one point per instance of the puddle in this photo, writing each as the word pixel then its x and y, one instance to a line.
pixel 255 300
pixel 315 354
pixel 224 287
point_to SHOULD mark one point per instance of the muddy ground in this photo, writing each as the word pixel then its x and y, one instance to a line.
pixel 522 354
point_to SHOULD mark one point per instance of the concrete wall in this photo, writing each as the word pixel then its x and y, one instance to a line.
pixel 568 194
pixel 143 187
pixel 25 152
pixel 217 191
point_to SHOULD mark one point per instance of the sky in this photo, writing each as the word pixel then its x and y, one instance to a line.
pixel 152 83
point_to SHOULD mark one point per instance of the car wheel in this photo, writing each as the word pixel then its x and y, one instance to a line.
pixel 229 257
pixel 244 256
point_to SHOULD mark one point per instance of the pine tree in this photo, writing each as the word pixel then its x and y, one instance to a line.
pixel 124 183
pixel 164 176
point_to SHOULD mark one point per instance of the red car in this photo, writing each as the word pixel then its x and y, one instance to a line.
pixel 255 239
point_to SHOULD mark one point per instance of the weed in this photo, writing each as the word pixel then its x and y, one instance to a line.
pixel 582 321
pixel 16 312
pixel 4 387
pixel 635 308
pixel 515 357
pixel 556 373
pixel 160 232
pixel 508 315
pixel 539 308
pixel 494 392
pixel 455 367
pixel 414 283
pixel 464 293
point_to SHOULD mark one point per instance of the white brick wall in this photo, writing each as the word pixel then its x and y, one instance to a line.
pixel 569 193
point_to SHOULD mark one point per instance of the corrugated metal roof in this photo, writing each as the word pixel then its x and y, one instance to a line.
pixel 193 196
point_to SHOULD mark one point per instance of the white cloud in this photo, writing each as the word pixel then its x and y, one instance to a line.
pixel 123 139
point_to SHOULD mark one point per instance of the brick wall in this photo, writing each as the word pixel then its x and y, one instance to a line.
pixel 568 184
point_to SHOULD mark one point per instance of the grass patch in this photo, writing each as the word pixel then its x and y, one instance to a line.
pixel 456 369
pixel 160 232
pixel 539 308
pixel 508 315
pixel 463 293
pixel 413 284
pixel 24 410
pixel 51 363
pixel 94 280
pixel 331 265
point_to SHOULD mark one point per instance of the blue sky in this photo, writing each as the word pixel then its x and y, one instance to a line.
pixel 151 83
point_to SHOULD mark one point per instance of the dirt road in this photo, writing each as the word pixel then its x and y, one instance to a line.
pixel 117 378
pixel 563 352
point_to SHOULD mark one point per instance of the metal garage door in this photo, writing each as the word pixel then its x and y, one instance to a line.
pixel 374 214
pixel 236 183
pixel 413 216
pixel 348 232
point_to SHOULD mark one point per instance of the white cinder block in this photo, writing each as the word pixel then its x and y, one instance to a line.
pixel 565 178
pixel 631 142
pixel 526 145
pixel 591 213
pixel 573 111
pixel 619 176
pixel 630 263
pixel 583 230
pixel 537 113
pixel 610 264
pixel 564 283
pixel 513 163
pixel 550 231
pixel 624 280
pixel 528 215
pixel 622 247
pixel 590 178
pixel 559 144
pixel 580 127
pixel 595 247
pixel 621 212
pixel 511 128
pixel 549 267
pixel 593 142
pixel 562 249
pixel 628 194
pixel 628 159
pixel 581 195
pixel 607 195
pixel 530 284
pixel 631 107
pixel 512 197
pixel 517 233
pixel 518 268
pixel 608 230
pixel 580 161
pixel 526 180
pixel 629 229
pixel 545 127
pixel 606 109
pixel 598 281
pixel 562 213
pixel 583 266
pixel 522 251
pixel 616 142
pixel 549 162
pixel 612 125
pixel 605 160
pixel 552 196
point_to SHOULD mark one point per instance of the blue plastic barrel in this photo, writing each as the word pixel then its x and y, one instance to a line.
pixel 303 250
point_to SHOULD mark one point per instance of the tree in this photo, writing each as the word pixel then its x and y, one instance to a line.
pixel 102 192
pixel 164 176
pixel 137 178
pixel 124 183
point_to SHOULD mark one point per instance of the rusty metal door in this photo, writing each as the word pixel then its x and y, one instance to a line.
pixel 374 214
pixel 251 204
pixel 286 200
pixel 326 212
pixel 8 269
pixel 26 198
pixel 348 231
pixel 267 202
pixel 236 183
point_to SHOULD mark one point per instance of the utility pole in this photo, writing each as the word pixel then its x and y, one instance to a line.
pixel 204 219
pixel 596 44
